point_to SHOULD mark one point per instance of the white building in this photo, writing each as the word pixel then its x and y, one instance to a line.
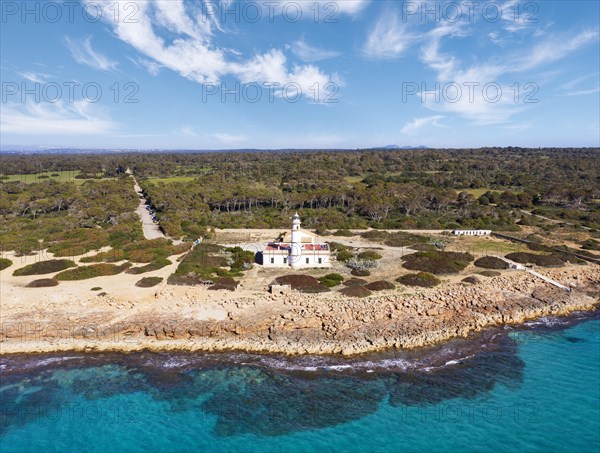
pixel 297 249
pixel 471 232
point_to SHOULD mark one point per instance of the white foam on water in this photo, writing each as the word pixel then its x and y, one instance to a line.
pixel 48 361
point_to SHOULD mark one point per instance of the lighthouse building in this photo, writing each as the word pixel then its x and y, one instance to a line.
pixel 297 249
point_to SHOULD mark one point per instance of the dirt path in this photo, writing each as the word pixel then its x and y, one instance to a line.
pixel 150 228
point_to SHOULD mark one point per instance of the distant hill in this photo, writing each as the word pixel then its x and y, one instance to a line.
pixel 404 147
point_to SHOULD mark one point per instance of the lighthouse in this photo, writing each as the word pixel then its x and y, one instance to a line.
pixel 296 243
pixel 298 248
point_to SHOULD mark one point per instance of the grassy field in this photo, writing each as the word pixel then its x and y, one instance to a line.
pixel 484 246
pixel 479 192
pixel 59 176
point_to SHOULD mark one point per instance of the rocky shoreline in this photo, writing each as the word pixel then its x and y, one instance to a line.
pixel 297 324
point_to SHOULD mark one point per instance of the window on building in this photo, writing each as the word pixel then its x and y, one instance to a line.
pixel 272 260
pixel 285 261
pixel 307 260
pixel 320 260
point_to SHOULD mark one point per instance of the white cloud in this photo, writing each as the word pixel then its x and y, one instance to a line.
pixel 82 53
pixel 54 119
pixel 188 131
pixel 389 38
pixel 152 67
pixel 35 77
pixel 192 51
pixel 583 92
pixel 228 139
pixel 309 53
pixel 485 107
pixel 416 124
pixel 350 7
pixel 554 49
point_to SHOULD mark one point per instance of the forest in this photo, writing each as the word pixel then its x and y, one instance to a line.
pixel 88 198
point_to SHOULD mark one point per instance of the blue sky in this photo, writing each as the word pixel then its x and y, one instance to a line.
pixel 254 74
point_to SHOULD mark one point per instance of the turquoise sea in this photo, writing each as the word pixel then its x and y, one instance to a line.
pixel 530 389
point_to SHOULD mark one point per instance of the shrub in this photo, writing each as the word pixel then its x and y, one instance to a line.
pixel 96 288
pixel 359 264
pixel 336 246
pixel 302 283
pixel 490 273
pixel 355 291
pixel 437 262
pixel 343 233
pixel 344 255
pixel 4 263
pixel 96 270
pixel 369 255
pixel 591 244
pixel 228 284
pixel 355 282
pixel 422 279
pixel 44 267
pixel 43 283
pixel 471 279
pixel 148 282
pixel 491 262
pixel 360 273
pixel 539 260
pixel 153 266
pixel 423 247
pixel 331 280
pixel 111 256
pixel 241 259
pixel 380 285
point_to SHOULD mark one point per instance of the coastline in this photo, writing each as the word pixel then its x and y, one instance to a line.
pixel 194 319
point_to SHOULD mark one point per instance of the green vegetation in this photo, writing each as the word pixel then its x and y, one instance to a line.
pixel 148 282
pixel 471 279
pixel 44 267
pixel 331 280
pixel 29 178
pixel 355 291
pixel 369 255
pixel 96 288
pixel 96 270
pixel 355 282
pixel 397 239
pixel 302 283
pixel 79 203
pixel 380 285
pixel 159 263
pixel 360 272
pixel 4 263
pixel 360 265
pixel 43 283
pixel 490 273
pixel 438 263
pixel 208 261
pixel 491 262
pixel 591 244
pixel 68 219
pixel 343 233
pixel 170 180
pixel 538 260
pixel 422 279
pixel 225 283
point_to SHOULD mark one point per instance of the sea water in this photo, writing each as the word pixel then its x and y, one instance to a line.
pixel 534 388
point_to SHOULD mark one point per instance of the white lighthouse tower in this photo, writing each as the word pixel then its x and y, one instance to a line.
pixel 296 243
pixel 296 249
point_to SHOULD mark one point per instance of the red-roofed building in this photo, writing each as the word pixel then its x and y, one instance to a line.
pixel 297 249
